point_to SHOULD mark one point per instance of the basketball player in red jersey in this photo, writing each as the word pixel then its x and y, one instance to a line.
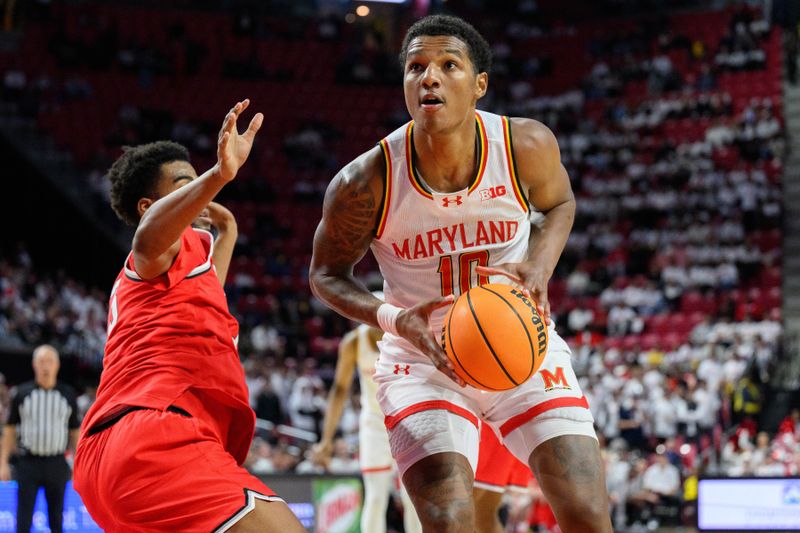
pixel 161 448
pixel 444 203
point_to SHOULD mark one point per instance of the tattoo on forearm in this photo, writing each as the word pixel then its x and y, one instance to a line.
pixel 351 224
pixel 341 241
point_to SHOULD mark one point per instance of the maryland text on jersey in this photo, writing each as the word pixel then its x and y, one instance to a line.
pixel 456 237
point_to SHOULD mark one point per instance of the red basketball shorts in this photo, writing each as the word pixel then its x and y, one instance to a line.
pixel 497 468
pixel 163 471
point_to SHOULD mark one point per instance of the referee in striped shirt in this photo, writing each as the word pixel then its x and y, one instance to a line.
pixel 44 414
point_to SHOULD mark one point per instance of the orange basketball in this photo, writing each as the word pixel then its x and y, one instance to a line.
pixel 495 337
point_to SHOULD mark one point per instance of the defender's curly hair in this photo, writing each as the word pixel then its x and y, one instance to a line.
pixel 480 53
pixel 135 175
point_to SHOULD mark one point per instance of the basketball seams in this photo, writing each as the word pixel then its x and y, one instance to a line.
pixel 486 341
pixel 524 328
pixel 506 368
pixel 453 350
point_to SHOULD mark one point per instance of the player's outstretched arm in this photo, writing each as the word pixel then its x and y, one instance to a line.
pixel 227 232
pixel 342 382
pixel 156 240
pixel 549 190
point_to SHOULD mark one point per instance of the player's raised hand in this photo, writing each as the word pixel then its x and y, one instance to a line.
pixel 233 147
pixel 530 276
pixel 412 325
pixel 321 454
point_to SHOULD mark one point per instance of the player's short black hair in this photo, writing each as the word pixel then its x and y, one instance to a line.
pixel 135 175
pixel 480 53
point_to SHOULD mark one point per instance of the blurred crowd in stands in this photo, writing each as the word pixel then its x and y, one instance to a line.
pixel 35 306
pixel 668 290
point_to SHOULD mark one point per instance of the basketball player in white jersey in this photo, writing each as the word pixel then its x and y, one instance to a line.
pixel 359 349
pixel 443 203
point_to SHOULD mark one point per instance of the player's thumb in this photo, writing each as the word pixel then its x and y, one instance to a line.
pixel 544 304
pixel 539 297
pixel 255 125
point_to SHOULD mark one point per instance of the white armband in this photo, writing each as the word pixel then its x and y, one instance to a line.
pixel 387 318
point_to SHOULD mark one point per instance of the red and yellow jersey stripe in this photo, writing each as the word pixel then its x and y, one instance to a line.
pixel 519 191
pixel 387 190
pixel 412 171
pixel 483 146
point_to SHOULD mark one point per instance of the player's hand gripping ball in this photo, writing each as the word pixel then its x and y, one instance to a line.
pixel 495 337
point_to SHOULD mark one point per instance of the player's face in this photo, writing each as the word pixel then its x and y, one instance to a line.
pixel 175 175
pixel 440 83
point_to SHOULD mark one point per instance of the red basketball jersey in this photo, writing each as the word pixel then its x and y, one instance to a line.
pixel 172 341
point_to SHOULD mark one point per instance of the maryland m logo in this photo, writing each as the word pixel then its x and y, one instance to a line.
pixel 554 381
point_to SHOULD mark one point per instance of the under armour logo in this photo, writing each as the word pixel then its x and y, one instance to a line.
pixel 402 368
pixel 447 200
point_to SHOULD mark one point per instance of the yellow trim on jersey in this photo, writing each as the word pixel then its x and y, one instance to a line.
pixel 412 172
pixel 512 166
pixel 387 190
pixel 483 147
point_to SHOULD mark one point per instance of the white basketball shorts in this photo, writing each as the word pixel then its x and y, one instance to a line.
pixel 427 413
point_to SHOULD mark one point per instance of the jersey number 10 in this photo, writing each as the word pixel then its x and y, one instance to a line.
pixel 466 263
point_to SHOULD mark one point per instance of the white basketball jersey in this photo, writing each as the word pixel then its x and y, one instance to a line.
pixel 367 354
pixel 428 243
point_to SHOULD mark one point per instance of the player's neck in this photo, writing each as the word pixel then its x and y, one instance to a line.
pixel 446 161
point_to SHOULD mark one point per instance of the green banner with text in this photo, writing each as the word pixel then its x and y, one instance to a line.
pixel 338 505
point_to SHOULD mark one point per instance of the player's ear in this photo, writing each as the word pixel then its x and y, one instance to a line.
pixel 143 205
pixel 481 85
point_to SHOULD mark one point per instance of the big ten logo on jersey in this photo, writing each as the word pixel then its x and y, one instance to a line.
pixel 492 192
pixel 553 381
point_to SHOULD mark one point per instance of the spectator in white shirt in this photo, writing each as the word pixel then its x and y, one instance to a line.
pixel 663 478
pixel 708 405
pixel 579 318
pixel 664 415
pixel 763 449
pixel 719 134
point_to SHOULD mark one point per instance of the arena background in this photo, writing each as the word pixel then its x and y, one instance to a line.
pixel 678 289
